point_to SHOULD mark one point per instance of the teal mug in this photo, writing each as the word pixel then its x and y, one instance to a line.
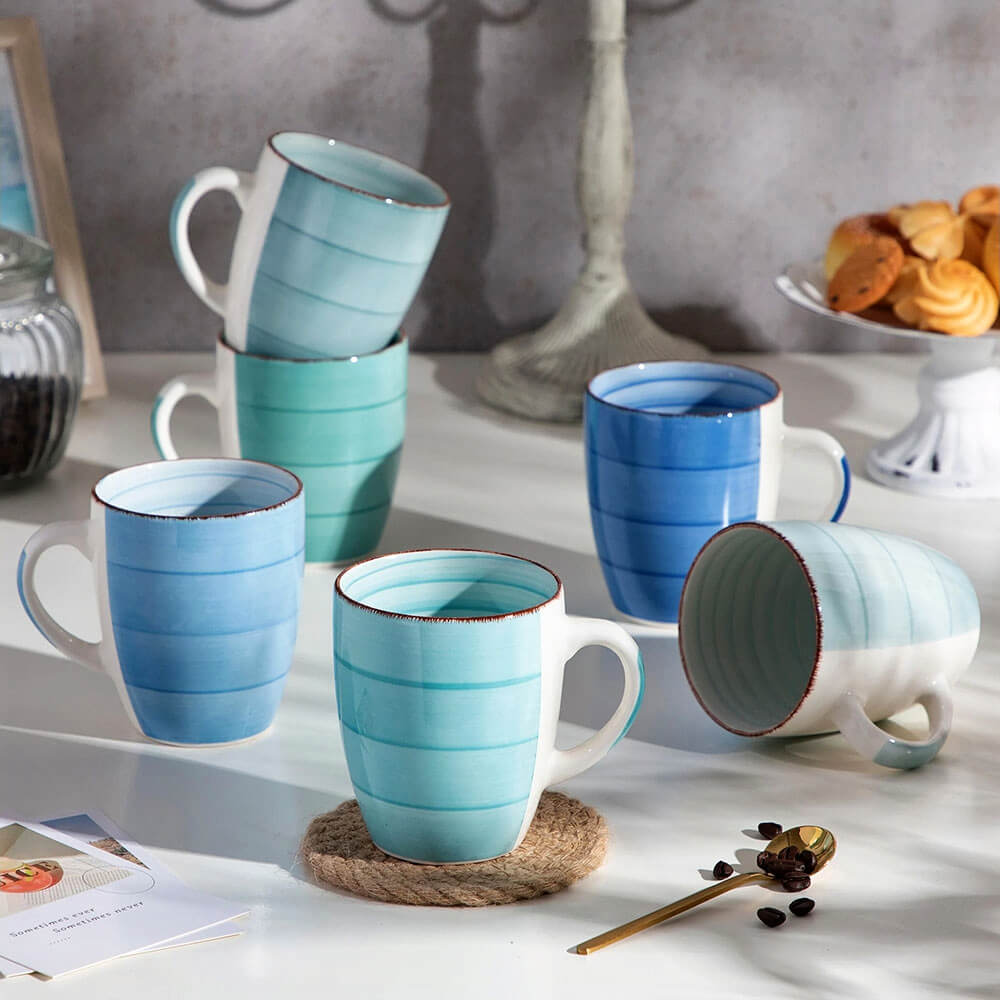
pixel 449 672
pixel 329 254
pixel 337 423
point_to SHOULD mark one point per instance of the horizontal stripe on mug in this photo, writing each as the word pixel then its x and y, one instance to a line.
pixel 291 466
pixel 653 597
pixel 206 572
pixel 414 805
pixel 156 486
pixel 674 468
pixel 417 560
pixel 608 396
pixel 640 572
pixel 394 587
pixel 120 626
pixel 232 690
pixel 349 513
pixel 442 749
pixel 290 289
pixel 718 523
pixel 436 685
pixel 318 409
pixel 290 227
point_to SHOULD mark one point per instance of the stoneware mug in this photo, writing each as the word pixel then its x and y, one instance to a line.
pixel 338 424
pixel 675 451
pixel 798 628
pixel 198 569
pixel 449 670
pixel 331 249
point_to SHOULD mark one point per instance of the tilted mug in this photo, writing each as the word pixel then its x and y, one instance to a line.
pixel 796 628
pixel 332 246
pixel 449 669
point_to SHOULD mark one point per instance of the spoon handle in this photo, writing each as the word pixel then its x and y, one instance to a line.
pixel 671 910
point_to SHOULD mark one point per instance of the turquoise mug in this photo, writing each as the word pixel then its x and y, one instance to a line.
pixel 331 249
pixel 197 570
pixel 796 628
pixel 449 669
pixel 338 424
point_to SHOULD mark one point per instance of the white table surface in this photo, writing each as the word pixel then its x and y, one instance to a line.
pixel 909 908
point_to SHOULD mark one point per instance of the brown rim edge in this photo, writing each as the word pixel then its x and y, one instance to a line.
pixel 197 517
pixel 350 187
pixel 706 416
pixel 339 590
pixel 767 529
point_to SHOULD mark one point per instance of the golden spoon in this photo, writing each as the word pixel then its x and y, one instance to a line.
pixel 814 838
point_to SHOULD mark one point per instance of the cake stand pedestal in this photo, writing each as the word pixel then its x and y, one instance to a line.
pixel 952 447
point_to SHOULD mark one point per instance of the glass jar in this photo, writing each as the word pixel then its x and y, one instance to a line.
pixel 41 362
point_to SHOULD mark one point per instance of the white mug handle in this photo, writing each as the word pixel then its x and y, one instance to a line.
pixel 580 632
pixel 240 185
pixel 92 655
pixel 810 437
pixel 168 397
pixel 891 751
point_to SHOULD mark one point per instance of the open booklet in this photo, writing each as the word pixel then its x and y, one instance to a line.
pixel 75 891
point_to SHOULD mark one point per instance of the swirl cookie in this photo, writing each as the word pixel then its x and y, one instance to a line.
pixel 949 296
pixel 991 254
pixel 866 275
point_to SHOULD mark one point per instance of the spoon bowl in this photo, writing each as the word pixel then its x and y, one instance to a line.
pixel 820 841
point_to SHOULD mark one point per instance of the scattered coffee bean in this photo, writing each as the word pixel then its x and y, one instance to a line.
pixel 802 907
pixel 796 882
pixel 769 830
pixel 770 916
pixel 808 860
pixel 722 869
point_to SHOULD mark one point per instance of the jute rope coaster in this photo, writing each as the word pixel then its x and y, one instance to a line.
pixel 566 841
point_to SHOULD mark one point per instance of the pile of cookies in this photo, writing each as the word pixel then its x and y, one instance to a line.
pixel 934 267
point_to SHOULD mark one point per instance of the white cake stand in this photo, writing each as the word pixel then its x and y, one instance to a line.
pixel 951 448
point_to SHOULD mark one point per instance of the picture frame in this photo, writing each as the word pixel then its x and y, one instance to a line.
pixel 34 185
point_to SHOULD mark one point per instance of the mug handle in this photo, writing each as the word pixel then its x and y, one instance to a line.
pixel 891 751
pixel 168 397
pixel 240 185
pixel 565 764
pixel 79 535
pixel 810 437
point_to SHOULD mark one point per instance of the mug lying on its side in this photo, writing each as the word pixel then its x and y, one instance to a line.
pixel 797 628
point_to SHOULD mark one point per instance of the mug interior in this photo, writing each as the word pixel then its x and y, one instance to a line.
pixel 684 388
pixel 197 488
pixel 749 629
pixel 361 169
pixel 449 583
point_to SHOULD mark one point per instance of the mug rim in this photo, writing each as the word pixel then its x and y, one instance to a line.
pixel 643 365
pixel 432 206
pixel 197 517
pixel 817 611
pixel 400 339
pixel 339 590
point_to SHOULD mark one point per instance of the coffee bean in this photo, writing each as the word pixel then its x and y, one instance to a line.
pixel 789 853
pixel 769 830
pixel 796 882
pixel 765 859
pixel 770 916
pixel 808 860
pixel 802 907
pixel 722 869
pixel 35 416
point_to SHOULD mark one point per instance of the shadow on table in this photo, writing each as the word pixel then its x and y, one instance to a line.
pixel 63 495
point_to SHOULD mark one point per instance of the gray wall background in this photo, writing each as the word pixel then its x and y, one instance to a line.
pixel 758 124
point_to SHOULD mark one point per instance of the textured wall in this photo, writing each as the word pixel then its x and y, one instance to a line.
pixel 758 123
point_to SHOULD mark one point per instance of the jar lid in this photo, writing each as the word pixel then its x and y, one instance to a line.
pixel 23 259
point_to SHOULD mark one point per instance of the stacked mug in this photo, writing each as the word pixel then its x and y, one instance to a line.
pixel 311 365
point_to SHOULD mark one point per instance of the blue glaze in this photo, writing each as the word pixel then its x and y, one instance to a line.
pixel 673 455
pixel 440 716
pixel 906 756
pixel 203 607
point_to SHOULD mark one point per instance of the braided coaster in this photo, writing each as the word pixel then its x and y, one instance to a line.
pixel 566 841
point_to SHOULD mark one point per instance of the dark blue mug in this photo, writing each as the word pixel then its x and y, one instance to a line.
pixel 676 451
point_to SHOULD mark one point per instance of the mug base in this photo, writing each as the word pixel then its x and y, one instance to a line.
pixel 669 628
pixel 210 746
pixel 417 861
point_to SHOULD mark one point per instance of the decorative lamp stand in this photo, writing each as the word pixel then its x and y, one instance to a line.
pixel 542 375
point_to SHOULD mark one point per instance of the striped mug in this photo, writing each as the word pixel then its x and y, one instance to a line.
pixel 338 424
pixel 331 249
pixel 198 567
pixel 675 451
pixel 449 671
pixel 795 628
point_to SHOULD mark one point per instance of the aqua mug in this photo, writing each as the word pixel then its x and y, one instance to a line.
pixel 449 670
pixel 797 628
pixel 198 568
pixel 338 424
pixel 675 451
pixel 331 249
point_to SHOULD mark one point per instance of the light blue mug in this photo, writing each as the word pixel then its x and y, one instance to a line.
pixel 198 570
pixel 449 669
pixel 796 628
pixel 329 254
pixel 338 424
